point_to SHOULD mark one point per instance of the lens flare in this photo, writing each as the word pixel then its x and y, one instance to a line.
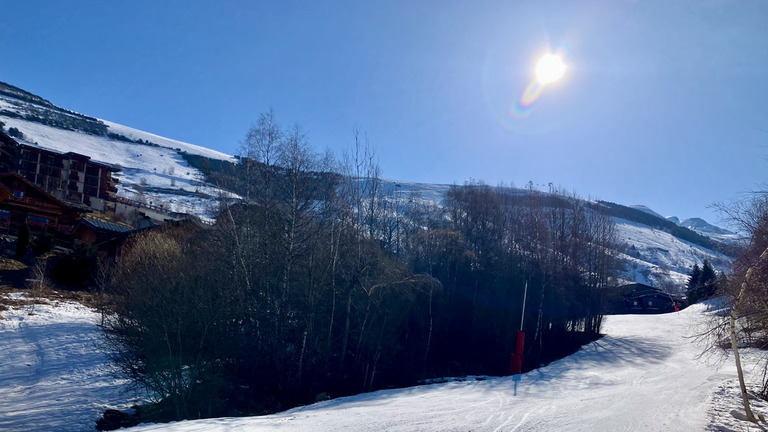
pixel 522 107
pixel 549 69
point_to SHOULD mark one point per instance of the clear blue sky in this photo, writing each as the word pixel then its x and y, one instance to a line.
pixel 664 103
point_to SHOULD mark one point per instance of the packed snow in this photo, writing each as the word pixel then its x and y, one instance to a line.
pixel 54 373
pixel 646 374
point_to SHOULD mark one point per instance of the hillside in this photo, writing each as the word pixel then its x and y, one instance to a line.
pixel 180 177
pixel 152 166
pixel 655 251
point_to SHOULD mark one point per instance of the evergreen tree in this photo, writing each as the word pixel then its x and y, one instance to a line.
pixel 693 283
pixel 702 283
pixel 707 282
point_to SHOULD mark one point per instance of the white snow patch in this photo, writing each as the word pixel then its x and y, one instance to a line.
pixel 54 373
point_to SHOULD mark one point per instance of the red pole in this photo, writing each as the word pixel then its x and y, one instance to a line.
pixel 520 342
pixel 516 359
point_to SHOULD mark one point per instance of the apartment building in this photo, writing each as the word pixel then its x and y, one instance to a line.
pixel 69 176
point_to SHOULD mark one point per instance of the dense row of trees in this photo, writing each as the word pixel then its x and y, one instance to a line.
pixel 327 284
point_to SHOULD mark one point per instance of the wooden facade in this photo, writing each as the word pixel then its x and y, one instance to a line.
pixel 22 202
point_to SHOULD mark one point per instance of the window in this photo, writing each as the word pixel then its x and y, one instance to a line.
pixel 18 194
pixel 37 220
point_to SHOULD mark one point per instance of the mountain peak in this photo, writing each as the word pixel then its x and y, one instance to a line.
pixel 701 225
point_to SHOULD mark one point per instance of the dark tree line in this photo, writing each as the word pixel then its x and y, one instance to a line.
pixel 321 284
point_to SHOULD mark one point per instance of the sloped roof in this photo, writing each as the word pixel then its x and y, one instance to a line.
pixel 43 193
pixel 103 225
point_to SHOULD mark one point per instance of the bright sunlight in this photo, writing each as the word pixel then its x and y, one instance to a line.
pixel 550 68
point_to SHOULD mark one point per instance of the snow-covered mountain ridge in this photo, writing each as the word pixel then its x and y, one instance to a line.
pixel 654 250
pixel 658 251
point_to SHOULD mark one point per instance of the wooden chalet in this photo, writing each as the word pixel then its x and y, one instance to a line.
pixel 22 201
pixel 638 298
pixel 93 229
pixel 106 235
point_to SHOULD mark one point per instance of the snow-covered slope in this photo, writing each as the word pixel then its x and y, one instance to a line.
pixel 650 255
pixel 136 134
pixel 646 209
pixel 703 227
pixel 657 258
pixel 54 373
pixel 157 170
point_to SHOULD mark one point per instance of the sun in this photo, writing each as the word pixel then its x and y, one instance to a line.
pixel 550 68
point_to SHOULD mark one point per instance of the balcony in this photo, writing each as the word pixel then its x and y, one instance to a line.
pixel 36 204
pixel 27 156
pixel 52 162
pixel 52 172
